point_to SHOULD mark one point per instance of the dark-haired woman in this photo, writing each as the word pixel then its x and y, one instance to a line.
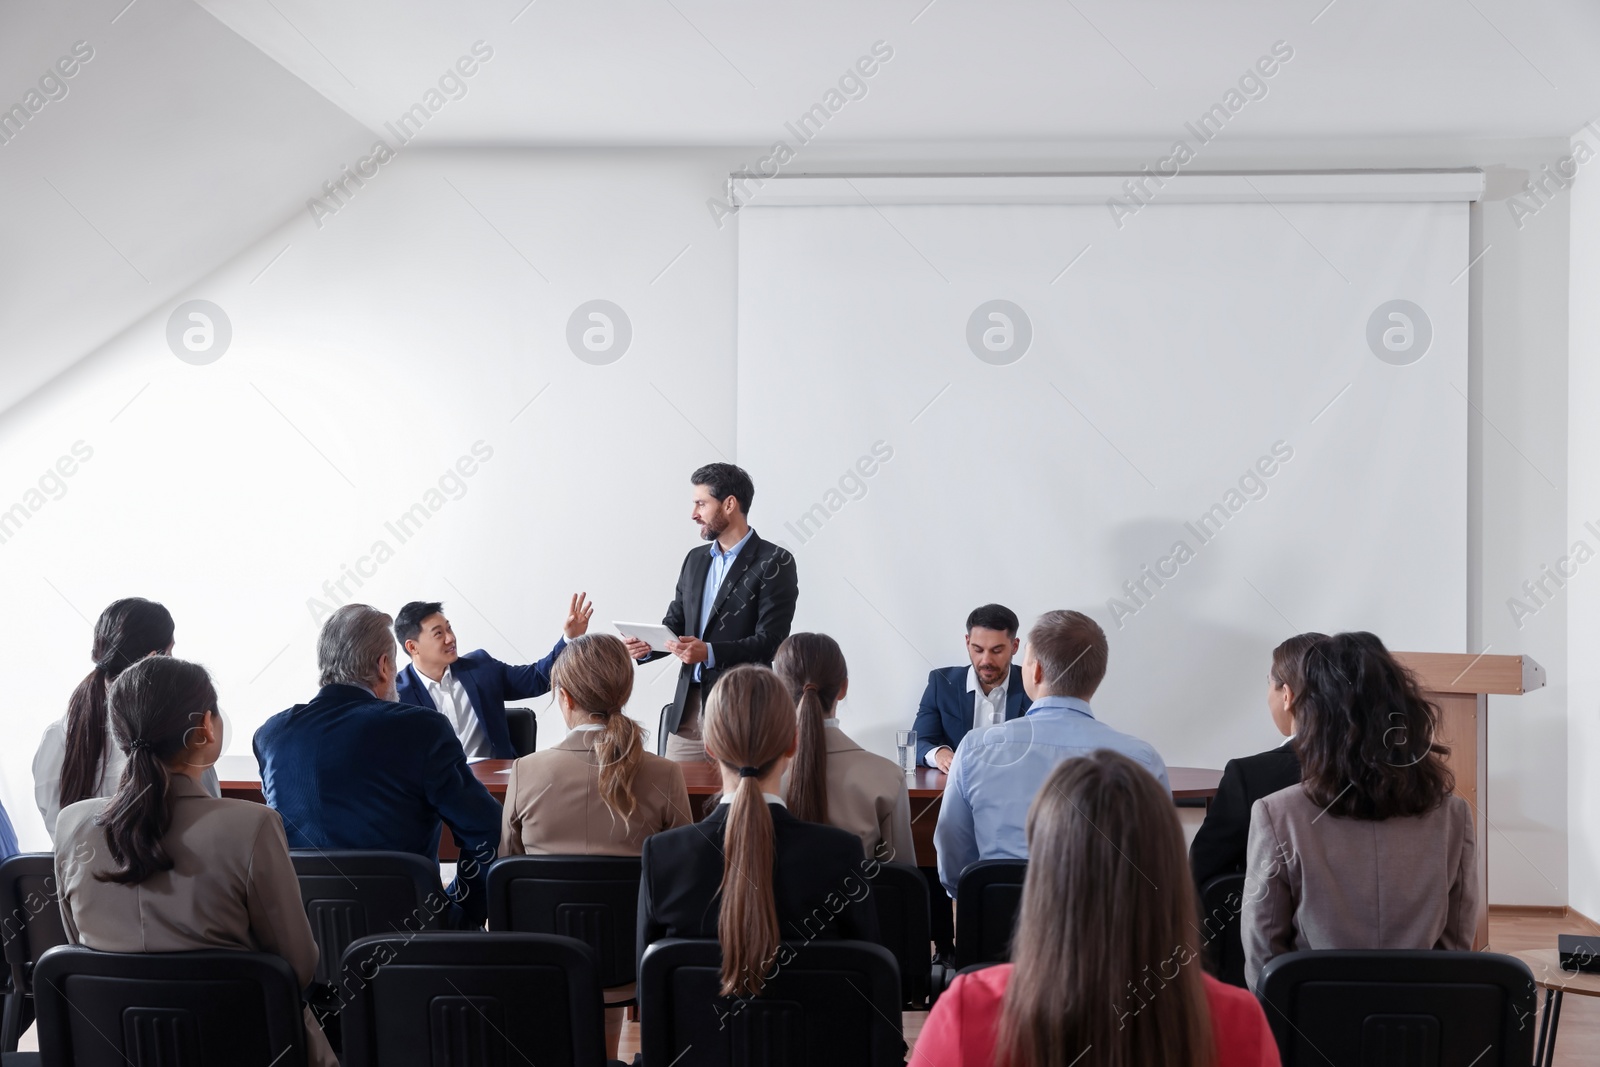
pixel 1371 849
pixel 597 792
pixel 1219 844
pixel 161 866
pixel 1107 951
pixel 752 875
pixel 76 758
pixel 833 780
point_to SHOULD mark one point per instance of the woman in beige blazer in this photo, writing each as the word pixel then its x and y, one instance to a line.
pixel 597 792
pixel 833 779
pixel 163 867
pixel 1371 850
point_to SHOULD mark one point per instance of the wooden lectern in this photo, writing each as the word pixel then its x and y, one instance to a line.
pixel 1460 685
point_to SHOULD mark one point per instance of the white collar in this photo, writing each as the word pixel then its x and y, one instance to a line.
pixel 831 720
pixel 587 727
pixel 444 680
pixel 771 798
pixel 975 686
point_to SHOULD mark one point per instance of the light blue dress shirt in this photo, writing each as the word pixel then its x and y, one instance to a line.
pixel 998 770
pixel 721 564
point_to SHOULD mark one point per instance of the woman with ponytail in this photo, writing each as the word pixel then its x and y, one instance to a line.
pixel 752 875
pixel 597 792
pixel 834 780
pixel 76 758
pixel 1106 968
pixel 161 866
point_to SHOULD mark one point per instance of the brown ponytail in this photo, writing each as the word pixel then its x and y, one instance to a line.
pixel 596 671
pixel 813 668
pixel 126 632
pixel 154 705
pixel 750 725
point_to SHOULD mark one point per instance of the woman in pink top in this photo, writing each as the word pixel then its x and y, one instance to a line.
pixel 1106 969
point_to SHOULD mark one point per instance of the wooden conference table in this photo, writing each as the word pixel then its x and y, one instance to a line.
pixel 241 780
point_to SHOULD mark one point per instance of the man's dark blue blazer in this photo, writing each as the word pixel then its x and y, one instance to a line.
pixel 945 714
pixel 350 771
pixel 488 684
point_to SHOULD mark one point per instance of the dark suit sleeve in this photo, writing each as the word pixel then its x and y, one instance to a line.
pixel 1219 844
pixel 777 592
pixel 648 929
pixel 929 724
pixel 471 813
pixel 532 680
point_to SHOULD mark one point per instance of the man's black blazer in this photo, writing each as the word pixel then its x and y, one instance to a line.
pixel 819 878
pixel 1219 846
pixel 749 619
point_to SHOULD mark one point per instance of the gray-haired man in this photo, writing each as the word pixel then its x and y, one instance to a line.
pixel 354 770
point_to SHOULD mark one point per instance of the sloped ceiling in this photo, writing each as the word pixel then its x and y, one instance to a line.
pixel 196 128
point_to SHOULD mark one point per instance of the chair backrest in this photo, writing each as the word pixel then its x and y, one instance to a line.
pixel 1417 1008
pixel 30 925
pixel 1221 904
pixel 592 898
pixel 170 1009
pixel 351 894
pixel 469 999
pixel 900 893
pixel 661 729
pixel 827 1002
pixel 988 897
pixel 523 725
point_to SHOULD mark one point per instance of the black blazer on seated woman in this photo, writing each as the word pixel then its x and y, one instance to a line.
pixel 820 881
pixel 1219 845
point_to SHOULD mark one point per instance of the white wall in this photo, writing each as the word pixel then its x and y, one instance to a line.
pixel 406 329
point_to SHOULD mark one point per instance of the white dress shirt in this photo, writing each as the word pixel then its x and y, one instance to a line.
pixel 451 701
pixel 988 709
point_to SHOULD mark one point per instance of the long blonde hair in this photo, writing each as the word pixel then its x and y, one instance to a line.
pixel 597 673
pixel 749 724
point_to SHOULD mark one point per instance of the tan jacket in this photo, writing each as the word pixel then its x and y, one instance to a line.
pixel 1316 881
pixel 867 796
pixel 553 804
pixel 233 887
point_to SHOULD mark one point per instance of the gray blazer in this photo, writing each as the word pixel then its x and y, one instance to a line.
pixel 233 887
pixel 1316 881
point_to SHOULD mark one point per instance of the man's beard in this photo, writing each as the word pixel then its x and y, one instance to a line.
pixel 712 529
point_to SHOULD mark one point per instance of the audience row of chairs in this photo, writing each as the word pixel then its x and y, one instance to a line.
pixel 562 930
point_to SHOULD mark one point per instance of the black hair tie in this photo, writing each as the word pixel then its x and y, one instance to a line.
pixel 137 743
pixel 749 772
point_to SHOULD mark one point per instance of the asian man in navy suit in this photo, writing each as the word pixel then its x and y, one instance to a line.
pixel 471 691
pixel 986 692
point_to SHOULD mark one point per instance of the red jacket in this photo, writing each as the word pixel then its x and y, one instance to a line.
pixel 960 1031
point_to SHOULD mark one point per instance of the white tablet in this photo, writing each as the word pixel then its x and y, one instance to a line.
pixel 651 633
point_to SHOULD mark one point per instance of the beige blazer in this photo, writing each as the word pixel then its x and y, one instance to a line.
pixel 867 796
pixel 553 804
pixel 232 887
pixel 1315 881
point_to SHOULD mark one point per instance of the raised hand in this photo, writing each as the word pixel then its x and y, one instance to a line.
pixel 578 614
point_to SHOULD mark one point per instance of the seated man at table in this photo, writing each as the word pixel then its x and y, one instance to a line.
pixel 354 770
pixel 985 692
pixel 471 691
pixel 998 770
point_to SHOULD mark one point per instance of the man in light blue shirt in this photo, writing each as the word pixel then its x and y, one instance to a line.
pixel 998 770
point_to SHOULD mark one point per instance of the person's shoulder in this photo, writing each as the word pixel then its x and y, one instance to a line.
pixel 78 819
pixel 478 657
pixel 660 768
pixel 821 836
pixel 979 989
pixel 1236 1015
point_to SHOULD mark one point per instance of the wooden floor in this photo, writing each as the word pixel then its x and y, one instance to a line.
pixel 1578 1037
pixel 1579 1034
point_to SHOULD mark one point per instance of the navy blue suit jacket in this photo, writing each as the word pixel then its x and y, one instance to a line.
pixel 488 684
pixel 350 771
pixel 945 714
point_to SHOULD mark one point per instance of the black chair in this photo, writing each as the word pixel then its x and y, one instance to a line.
pixel 30 925
pixel 594 899
pixel 473 999
pixel 1221 904
pixel 1418 1008
pixel 523 726
pixel 988 897
pixel 901 895
pixel 829 1002
pixel 351 894
pixel 661 730
pixel 168 1009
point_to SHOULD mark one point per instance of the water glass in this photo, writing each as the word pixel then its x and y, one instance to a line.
pixel 906 742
